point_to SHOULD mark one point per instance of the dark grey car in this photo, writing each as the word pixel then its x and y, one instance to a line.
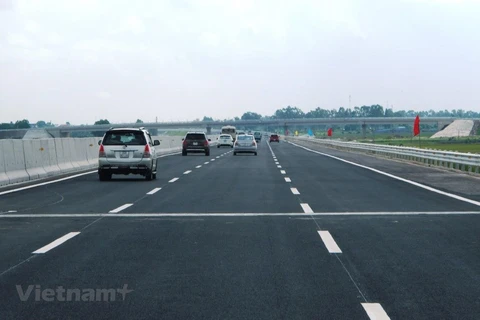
pixel 196 142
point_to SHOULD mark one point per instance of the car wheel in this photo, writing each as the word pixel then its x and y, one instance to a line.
pixel 184 153
pixel 104 176
pixel 234 153
pixel 149 176
pixel 207 153
pixel 255 153
pixel 231 146
pixel 218 146
pixel 154 176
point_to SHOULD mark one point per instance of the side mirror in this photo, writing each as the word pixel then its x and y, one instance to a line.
pixel 99 142
pixel 209 139
pixel 156 143
pixel 183 139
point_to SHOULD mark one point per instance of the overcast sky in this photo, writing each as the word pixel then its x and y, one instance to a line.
pixel 83 60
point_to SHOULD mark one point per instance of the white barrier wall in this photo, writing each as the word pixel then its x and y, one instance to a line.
pixel 33 159
pixel 3 175
pixel 15 161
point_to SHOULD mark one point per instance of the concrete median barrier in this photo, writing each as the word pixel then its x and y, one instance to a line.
pixel 63 157
pixel 15 161
pixel 49 157
pixel 32 150
pixel 3 174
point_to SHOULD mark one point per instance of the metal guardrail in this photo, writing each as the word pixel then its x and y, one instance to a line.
pixel 453 160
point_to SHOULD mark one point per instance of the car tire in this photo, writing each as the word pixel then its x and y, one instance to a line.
pixel 103 176
pixel 234 153
pixel 149 176
pixel 207 153
pixel 184 153
pixel 154 176
pixel 218 146
pixel 255 153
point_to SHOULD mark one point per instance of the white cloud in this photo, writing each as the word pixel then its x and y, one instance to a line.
pixel 104 95
pixel 32 27
pixel 210 39
pixel 19 40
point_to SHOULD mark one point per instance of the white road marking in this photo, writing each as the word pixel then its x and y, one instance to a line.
pixel 125 206
pixel 283 172
pixel 306 208
pixel 56 243
pixel 279 166
pixel 173 180
pixel 154 191
pixel 375 311
pixel 218 157
pixel 288 179
pixel 207 162
pixel 276 162
pixel 327 239
pixel 239 214
pixel 212 160
pixel 187 172
pixel 451 195
pixel 199 166
pixel 46 183
pixel 294 191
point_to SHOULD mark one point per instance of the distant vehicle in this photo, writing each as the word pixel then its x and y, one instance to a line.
pixel 225 140
pixel 245 144
pixel 127 151
pixel 231 130
pixel 258 136
pixel 196 142
pixel 274 138
pixel 240 132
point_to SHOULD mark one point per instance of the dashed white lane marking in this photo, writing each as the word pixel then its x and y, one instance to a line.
pixel 56 243
pixel 306 208
pixel 241 214
pixel 276 162
pixel 173 180
pixel 283 172
pixel 199 166
pixel 187 172
pixel 212 160
pixel 451 195
pixel 327 239
pixel 279 166
pixel 288 179
pixel 125 206
pixel 218 157
pixel 375 311
pixel 294 191
pixel 207 162
pixel 154 191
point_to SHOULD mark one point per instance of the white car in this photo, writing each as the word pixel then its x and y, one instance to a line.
pixel 225 140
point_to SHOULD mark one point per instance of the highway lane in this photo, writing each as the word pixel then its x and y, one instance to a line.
pixel 241 184
pixel 243 267
pixel 85 194
pixel 329 185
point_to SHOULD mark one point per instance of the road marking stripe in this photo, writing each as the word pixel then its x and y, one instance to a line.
pixel 294 191
pixel 218 157
pixel 125 206
pixel 56 243
pixel 375 311
pixel 47 183
pixel 306 208
pixel 212 160
pixel 173 180
pixel 239 214
pixel 279 166
pixel 187 172
pixel 276 162
pixel 327 239
pixel 451 195
pixel 154 191
pixel 199 166
pixel 288 179
pixel 207 162
pixel 283 172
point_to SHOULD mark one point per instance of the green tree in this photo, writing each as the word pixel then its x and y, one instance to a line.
pixel 251 116
pixel 205 118
pixel 289 113
pixel 41 124
pixel 102 121
pixel 22 124
pixel 139 121
pixel 7 125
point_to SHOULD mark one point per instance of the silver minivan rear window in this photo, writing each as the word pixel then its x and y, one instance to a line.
pixel 129 138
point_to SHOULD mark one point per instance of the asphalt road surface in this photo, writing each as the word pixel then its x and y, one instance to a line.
pixel 287 234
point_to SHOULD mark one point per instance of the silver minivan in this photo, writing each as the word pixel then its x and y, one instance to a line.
pixel 127 151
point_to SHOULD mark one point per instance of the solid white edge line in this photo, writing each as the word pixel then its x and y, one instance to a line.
pixel 329 242
pixel 173 180
pixel 56 243
pixel 287 179
pixel 306 208
pixel 154 191
pixel 187 172
pixel 283 172
pixel 46 183
pixel 125 206
pixel 239 214
pixel 375 311
pixel 294 190
pixel 451 195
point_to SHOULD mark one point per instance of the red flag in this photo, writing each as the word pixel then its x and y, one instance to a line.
pixel 416 126
pixel 329 132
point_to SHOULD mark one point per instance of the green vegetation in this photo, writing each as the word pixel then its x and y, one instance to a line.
pixel 464 144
